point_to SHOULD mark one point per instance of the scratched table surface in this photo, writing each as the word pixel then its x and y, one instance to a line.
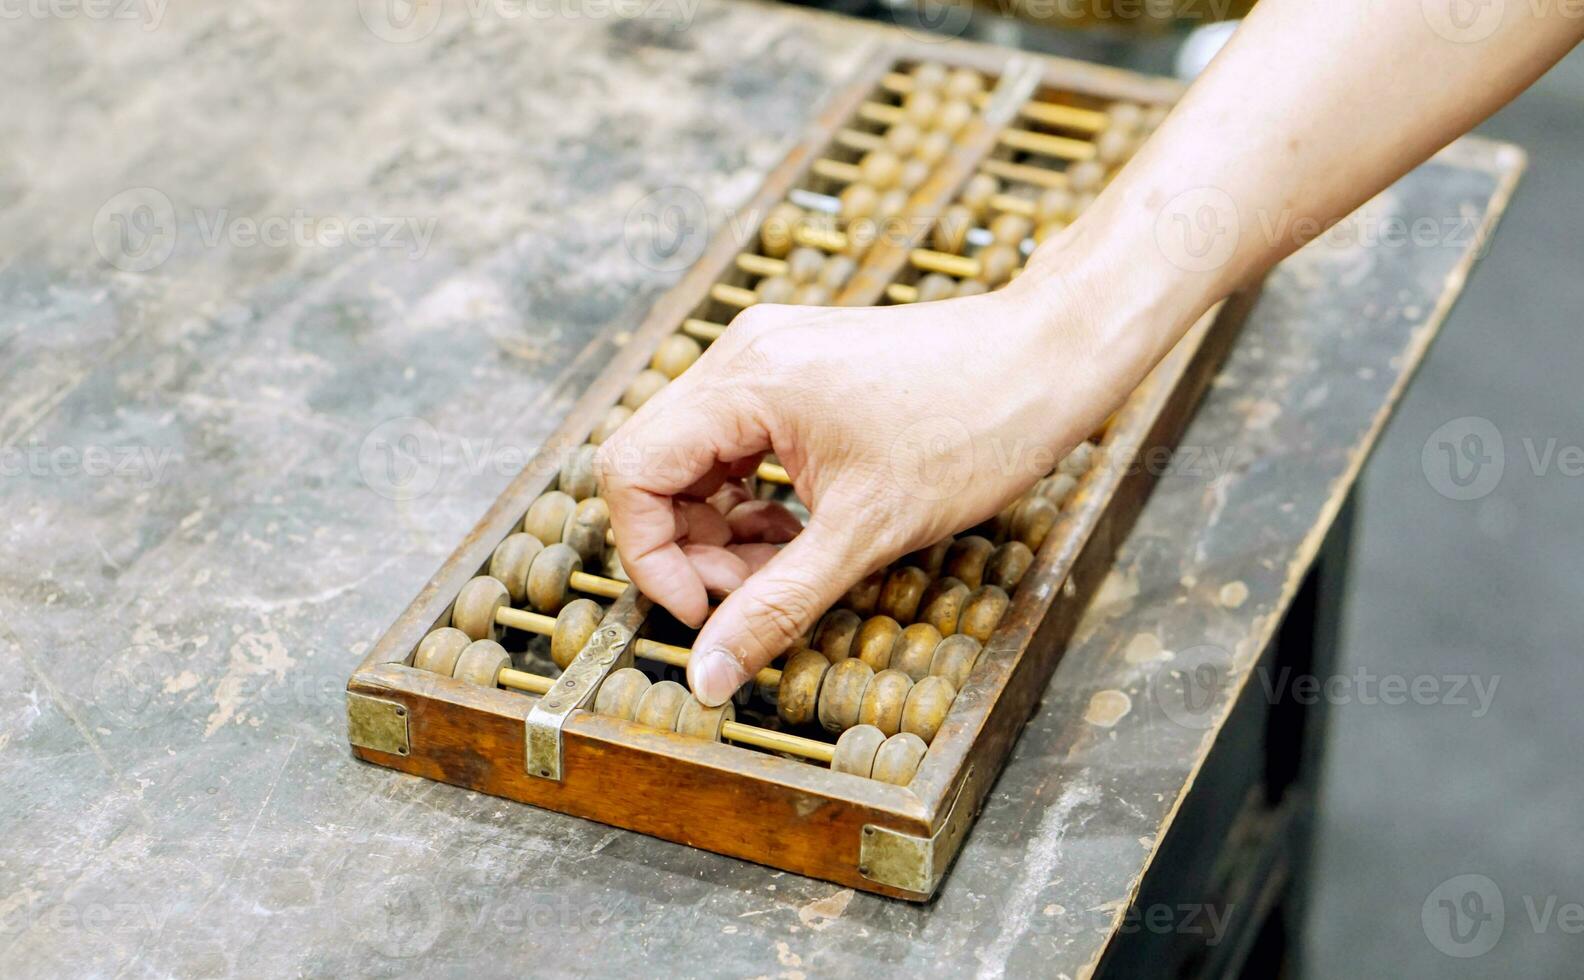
pixel 242 237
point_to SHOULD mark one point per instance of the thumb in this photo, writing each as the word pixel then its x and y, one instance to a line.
pixel 767 614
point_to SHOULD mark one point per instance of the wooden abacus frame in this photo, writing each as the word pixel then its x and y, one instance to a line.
pixel 893 840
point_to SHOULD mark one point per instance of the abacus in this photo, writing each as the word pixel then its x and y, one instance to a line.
pixel 529 668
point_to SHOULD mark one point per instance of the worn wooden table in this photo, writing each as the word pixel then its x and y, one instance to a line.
pixel 243 239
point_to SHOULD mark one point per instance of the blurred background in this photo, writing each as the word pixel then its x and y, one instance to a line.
pixel 1486 588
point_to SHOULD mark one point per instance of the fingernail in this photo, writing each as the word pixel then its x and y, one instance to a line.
pixel 715 676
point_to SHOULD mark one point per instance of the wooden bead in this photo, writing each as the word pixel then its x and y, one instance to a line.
pixel 547 515
pixel 953 116
pixel 644 387
pixel 997 526
pixel 836 272
pixel 474 610
pixel 928 76
pixel 481 662
pixel 585 528
pixel 1078 462
pixel 883 700
pixel 575 623
pixel 675 354
pixel 1048 229
pixel 971 287
pixel 855 750
pixel 903 138
pixel 942 604
pixel 609 423
pixel 1085 175
pixel 955 658
pixel 898 759
pixel 775 289
pixel 899 597
pixel 812 294
pixel 964 83
pixel 1124 116
pixel 660 705
pixel 576 478
pixel 930 559
pixel 776 235
pixel 511 561
pixel 804 264
pixel 438 652
pixel 1008 564
pixel 841 695
pixel 797 696
pixel 926 707
pixel 966 559
pixel 976 194
pixel 1010 229
pixel 1056 488
pixel 834 635
pixel 914 649
pixel 933 147
pixel 549 577
pixel 1113 146
pixel 880 169
pixel 1054 204
pixel 935 287
pixel 983 611
pixel 1033 521
pixel 920 107
pixel 997 263
pixel 913 174
pixel 951 231
pixel 698 721
pixel 620 693
pixel 858 201
pixel 874 641
pixel 865 596
pixel 892 203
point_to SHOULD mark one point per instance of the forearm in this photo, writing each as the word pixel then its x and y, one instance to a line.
pixel 1312 108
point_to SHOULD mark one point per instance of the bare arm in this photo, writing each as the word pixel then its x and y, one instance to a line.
pixel 895 423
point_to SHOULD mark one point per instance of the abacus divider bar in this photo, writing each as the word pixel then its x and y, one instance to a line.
pixel 764 738
pixel 1053 113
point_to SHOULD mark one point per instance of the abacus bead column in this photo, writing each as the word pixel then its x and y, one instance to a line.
pixel 438 652
pixel 577 475
pixel 875 639
pixel 914 649
pixel 883 700
pixel 841 695
pixel 966 560
pixel 576 622
pixel 474 610
pixel 699 721
pixel 898 759
pixel 619 694
pixel 855 750
pixel 549 577
pixel 511 561
pixel 676 354
pixel 659 706
pixel 547 515
pixel 586 526
pixel 1008 564
pixel 899 597
pixel 865 596
pixel 797 696
pixel 983 611
pixel 834 635
pixel 926 707
pixel 481 663
pixel 1033 521
pixel 955 658
pixel 942 604
pixel 643 388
